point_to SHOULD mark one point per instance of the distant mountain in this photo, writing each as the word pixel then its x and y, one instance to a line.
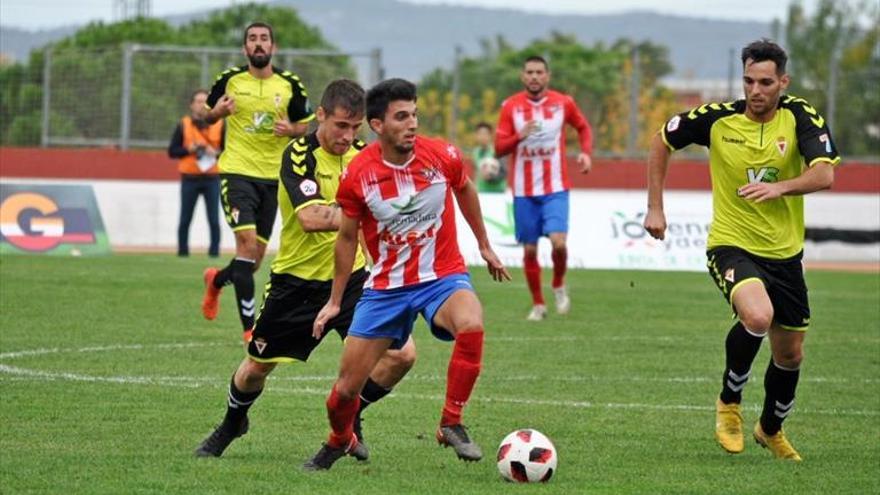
pixel 418 38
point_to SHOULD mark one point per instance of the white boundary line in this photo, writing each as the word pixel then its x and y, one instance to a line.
pixel 24 374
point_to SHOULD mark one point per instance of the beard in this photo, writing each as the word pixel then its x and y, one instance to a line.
pixel 259 59
pixel 404 148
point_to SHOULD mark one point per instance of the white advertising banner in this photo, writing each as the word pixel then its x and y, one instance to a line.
pixel 605 228
pixel 605 231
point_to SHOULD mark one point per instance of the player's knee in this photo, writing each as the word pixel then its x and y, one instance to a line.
pixel 345 390
pixel 403 360
pixel 790 358
pixel 757 322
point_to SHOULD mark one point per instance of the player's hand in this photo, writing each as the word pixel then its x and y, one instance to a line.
pixel 225 107
pixel 283 127
pixel 655 223
pixel 585 163
pixel 530 128
pixel 760 191
pixel 496 268
pixel 327 313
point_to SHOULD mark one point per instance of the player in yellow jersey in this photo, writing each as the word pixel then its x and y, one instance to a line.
pixel 765 153
pixel 302 273
pixel 264 108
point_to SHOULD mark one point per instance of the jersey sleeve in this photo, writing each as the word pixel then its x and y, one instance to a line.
pixel 576 119
pixel 506 137
pixel 694 127
pixel 298 108
pixel 298 176
pixel 813 136
pixel 349 195
pixel 219 87
pixel 454 168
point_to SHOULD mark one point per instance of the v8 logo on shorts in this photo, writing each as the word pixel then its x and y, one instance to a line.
pixel 763 174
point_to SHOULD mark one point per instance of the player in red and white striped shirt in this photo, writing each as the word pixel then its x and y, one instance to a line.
pixel 530 127
pixel 400 191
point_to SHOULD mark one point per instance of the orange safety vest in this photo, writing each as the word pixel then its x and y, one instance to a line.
pixel 211 136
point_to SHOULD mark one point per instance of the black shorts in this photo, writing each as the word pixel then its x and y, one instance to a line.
pixel 249 203
pixel 283 331
pixel 784 280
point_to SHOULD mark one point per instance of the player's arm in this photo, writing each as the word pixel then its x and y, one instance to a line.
pixel 219 104
pixel 344 254
pixel 817 148
pixel 818 177
pixel 469 204
pixel 319 218
pixel 658 166
pixel 579 122
pixel 299 111
pixel 506 137
pixel 313 212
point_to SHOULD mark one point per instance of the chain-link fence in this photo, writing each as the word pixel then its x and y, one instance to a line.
pixel 133 96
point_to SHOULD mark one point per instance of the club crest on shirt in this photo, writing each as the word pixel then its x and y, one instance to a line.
pixel 672 125
pixel 432 173
pixel 781 145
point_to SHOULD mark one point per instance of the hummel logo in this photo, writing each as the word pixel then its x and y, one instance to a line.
pixel 299 148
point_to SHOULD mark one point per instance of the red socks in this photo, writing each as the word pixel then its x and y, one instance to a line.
pixel 464 368
pixel 533 277
pixel 560 264
pixel 341 414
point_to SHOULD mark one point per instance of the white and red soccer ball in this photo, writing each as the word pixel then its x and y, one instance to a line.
pixel 527 456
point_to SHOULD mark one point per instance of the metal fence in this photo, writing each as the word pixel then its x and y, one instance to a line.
pixel 133 96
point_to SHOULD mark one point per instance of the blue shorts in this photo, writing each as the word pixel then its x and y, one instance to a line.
pixel 536 216
pixel 391 313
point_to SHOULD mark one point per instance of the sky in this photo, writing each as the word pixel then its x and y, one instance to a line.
pixel 42 14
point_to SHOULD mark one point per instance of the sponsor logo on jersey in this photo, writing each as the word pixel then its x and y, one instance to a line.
pixel 725 139
pixel 308 187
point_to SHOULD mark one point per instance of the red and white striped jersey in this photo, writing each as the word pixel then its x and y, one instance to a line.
pixel 406 212
pixel 538 162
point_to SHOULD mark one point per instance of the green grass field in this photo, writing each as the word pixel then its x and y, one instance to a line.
pixel 109 378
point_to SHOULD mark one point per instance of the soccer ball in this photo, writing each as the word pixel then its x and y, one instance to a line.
pixel 526 456
pixel 490 168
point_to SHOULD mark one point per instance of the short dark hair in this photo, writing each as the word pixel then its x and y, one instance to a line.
pixel 483 125
pixel 763 50
pixel 537 58
pixel 258 24
pixel 197 92
pixel 345 94
pixel 382 94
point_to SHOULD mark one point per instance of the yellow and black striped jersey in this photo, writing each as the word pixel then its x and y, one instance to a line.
pixel 309 175
pixel 742 151
pixel 252 149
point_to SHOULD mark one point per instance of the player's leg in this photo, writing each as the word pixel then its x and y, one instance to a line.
pixel 740 281
pixel 241 201
pixel 554 213
pixel 382 320
pixel 359 357
pixel 393 366
pixel 245 387
pixel 456 312
pixel 527 224
pixel 788 291
pixel 212 209
pixel 189 194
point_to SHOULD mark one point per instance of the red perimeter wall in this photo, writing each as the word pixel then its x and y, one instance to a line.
pixel 77 163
